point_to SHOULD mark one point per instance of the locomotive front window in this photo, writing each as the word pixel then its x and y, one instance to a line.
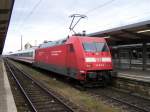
pixel 95 47
pixel 89 47
pixel 101 47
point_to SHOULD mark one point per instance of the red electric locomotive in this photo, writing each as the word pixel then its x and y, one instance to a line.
pixel 86 59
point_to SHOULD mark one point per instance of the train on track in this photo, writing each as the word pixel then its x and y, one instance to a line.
pixel 86 59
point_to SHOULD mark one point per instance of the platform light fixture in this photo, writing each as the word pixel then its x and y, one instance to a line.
pixel 142 31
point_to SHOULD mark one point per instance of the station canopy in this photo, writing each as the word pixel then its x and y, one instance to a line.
pixel 6 7
pixel 129 34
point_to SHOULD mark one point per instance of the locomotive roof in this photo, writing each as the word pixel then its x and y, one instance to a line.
pixel 62 41
pixel 52 43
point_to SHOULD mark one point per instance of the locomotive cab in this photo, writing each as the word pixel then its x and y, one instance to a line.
pixel 92 59
pixel 98 63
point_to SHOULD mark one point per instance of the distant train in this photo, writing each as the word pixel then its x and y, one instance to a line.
pixel 86 59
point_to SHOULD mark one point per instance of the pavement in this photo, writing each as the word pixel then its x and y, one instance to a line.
pixel 135 74
pixel 7 103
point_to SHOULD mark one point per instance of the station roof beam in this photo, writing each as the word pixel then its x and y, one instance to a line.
pixel 129 34
pixel 6 7
pixel 4 11
pixel 142 36
pixel 3 22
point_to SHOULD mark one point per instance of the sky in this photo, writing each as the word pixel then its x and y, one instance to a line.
pixel 39 20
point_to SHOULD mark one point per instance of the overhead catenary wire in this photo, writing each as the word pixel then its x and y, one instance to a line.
pixel 89 11
pixel 29 15
pixel 86 13
pixel 98 7
pixel 19 18
pixel 26 18
pixel 21 26
pixel 107 3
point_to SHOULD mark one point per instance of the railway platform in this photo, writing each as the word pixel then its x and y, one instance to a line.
pixel 134 80
pixel 135 74
pixel 7 103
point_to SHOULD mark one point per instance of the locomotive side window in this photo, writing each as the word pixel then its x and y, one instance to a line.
pixel 71 48
pixel 95 47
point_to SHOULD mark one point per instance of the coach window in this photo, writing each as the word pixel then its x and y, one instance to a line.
pixel 31 54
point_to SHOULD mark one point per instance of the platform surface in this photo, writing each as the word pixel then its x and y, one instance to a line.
pixel 136 74
pixel 7 103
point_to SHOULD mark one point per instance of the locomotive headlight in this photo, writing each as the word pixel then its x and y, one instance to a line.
pixel 106 59
pixel 90 59
pixel 82 71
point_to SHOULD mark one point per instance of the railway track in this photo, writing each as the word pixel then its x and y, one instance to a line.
pixel 127 101
pixel 39 98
